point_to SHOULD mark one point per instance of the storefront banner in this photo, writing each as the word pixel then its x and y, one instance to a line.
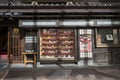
pixel 37 23
pixel 74 23
pixel 68 23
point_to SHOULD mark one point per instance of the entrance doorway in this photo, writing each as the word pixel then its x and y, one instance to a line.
pixel 3 42
pixel 16 45
pixel 85 42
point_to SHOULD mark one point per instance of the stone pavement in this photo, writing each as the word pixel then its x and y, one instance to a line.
pixel 110 70
pixel 55 74
pixel 59 72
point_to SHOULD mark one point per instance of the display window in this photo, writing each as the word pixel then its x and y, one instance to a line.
pixel 31 42
pixel 107 37
pixel 85 43
pixel 57 44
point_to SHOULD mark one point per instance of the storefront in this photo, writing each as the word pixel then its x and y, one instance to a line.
pixel 64 34
pixel 66 41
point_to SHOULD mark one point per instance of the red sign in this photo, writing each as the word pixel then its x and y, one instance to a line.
pixel 85 44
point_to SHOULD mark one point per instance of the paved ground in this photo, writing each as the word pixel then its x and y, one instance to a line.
pixel 110 70
pixel 59 72
pixel 52 72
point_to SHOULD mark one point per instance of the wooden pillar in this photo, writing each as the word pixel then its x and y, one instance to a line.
pixel 0 43
pixel 8 49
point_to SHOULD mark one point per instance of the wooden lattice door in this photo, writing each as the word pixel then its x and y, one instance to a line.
pixel 16 45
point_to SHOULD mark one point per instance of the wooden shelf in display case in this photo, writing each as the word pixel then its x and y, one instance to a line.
pixel 49 38
pixel 66 32
pixel 49 48
pixel 49 42
pixel 65 53
pixel 49 34
pixel 65 38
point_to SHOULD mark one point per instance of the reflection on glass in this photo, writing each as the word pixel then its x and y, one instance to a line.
pixel 107 37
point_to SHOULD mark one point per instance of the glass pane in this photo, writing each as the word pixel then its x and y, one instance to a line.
pixel 31 42
pixel 105 36
pixel 66 42
pixel 85 43
pixel 57 43
pixel 48 43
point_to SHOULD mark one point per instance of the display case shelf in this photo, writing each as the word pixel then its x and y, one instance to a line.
pixel 49 43
pixel 66 38
pixel 49 53
pixel 64 44
pixel 50 39
pixel 65 34
pixel 66 53
pixel 48 35
pixel 49 48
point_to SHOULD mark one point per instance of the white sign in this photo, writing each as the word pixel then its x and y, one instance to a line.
pixel 68 23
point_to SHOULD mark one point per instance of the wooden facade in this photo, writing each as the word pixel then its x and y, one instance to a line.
pixel 88 13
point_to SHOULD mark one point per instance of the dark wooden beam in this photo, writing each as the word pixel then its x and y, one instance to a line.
pixel 59 10
pixel 72 0
pixel 8 48
pixel 59 7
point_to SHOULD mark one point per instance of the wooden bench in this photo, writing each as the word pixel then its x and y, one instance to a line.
pixel 26 60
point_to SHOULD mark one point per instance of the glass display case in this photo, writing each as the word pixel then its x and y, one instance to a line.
pixel 57 44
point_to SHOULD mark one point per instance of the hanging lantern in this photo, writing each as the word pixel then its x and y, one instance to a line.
pixel 16 30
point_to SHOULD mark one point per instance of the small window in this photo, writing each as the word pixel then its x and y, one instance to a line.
pixel 107 37
pixel 31 42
